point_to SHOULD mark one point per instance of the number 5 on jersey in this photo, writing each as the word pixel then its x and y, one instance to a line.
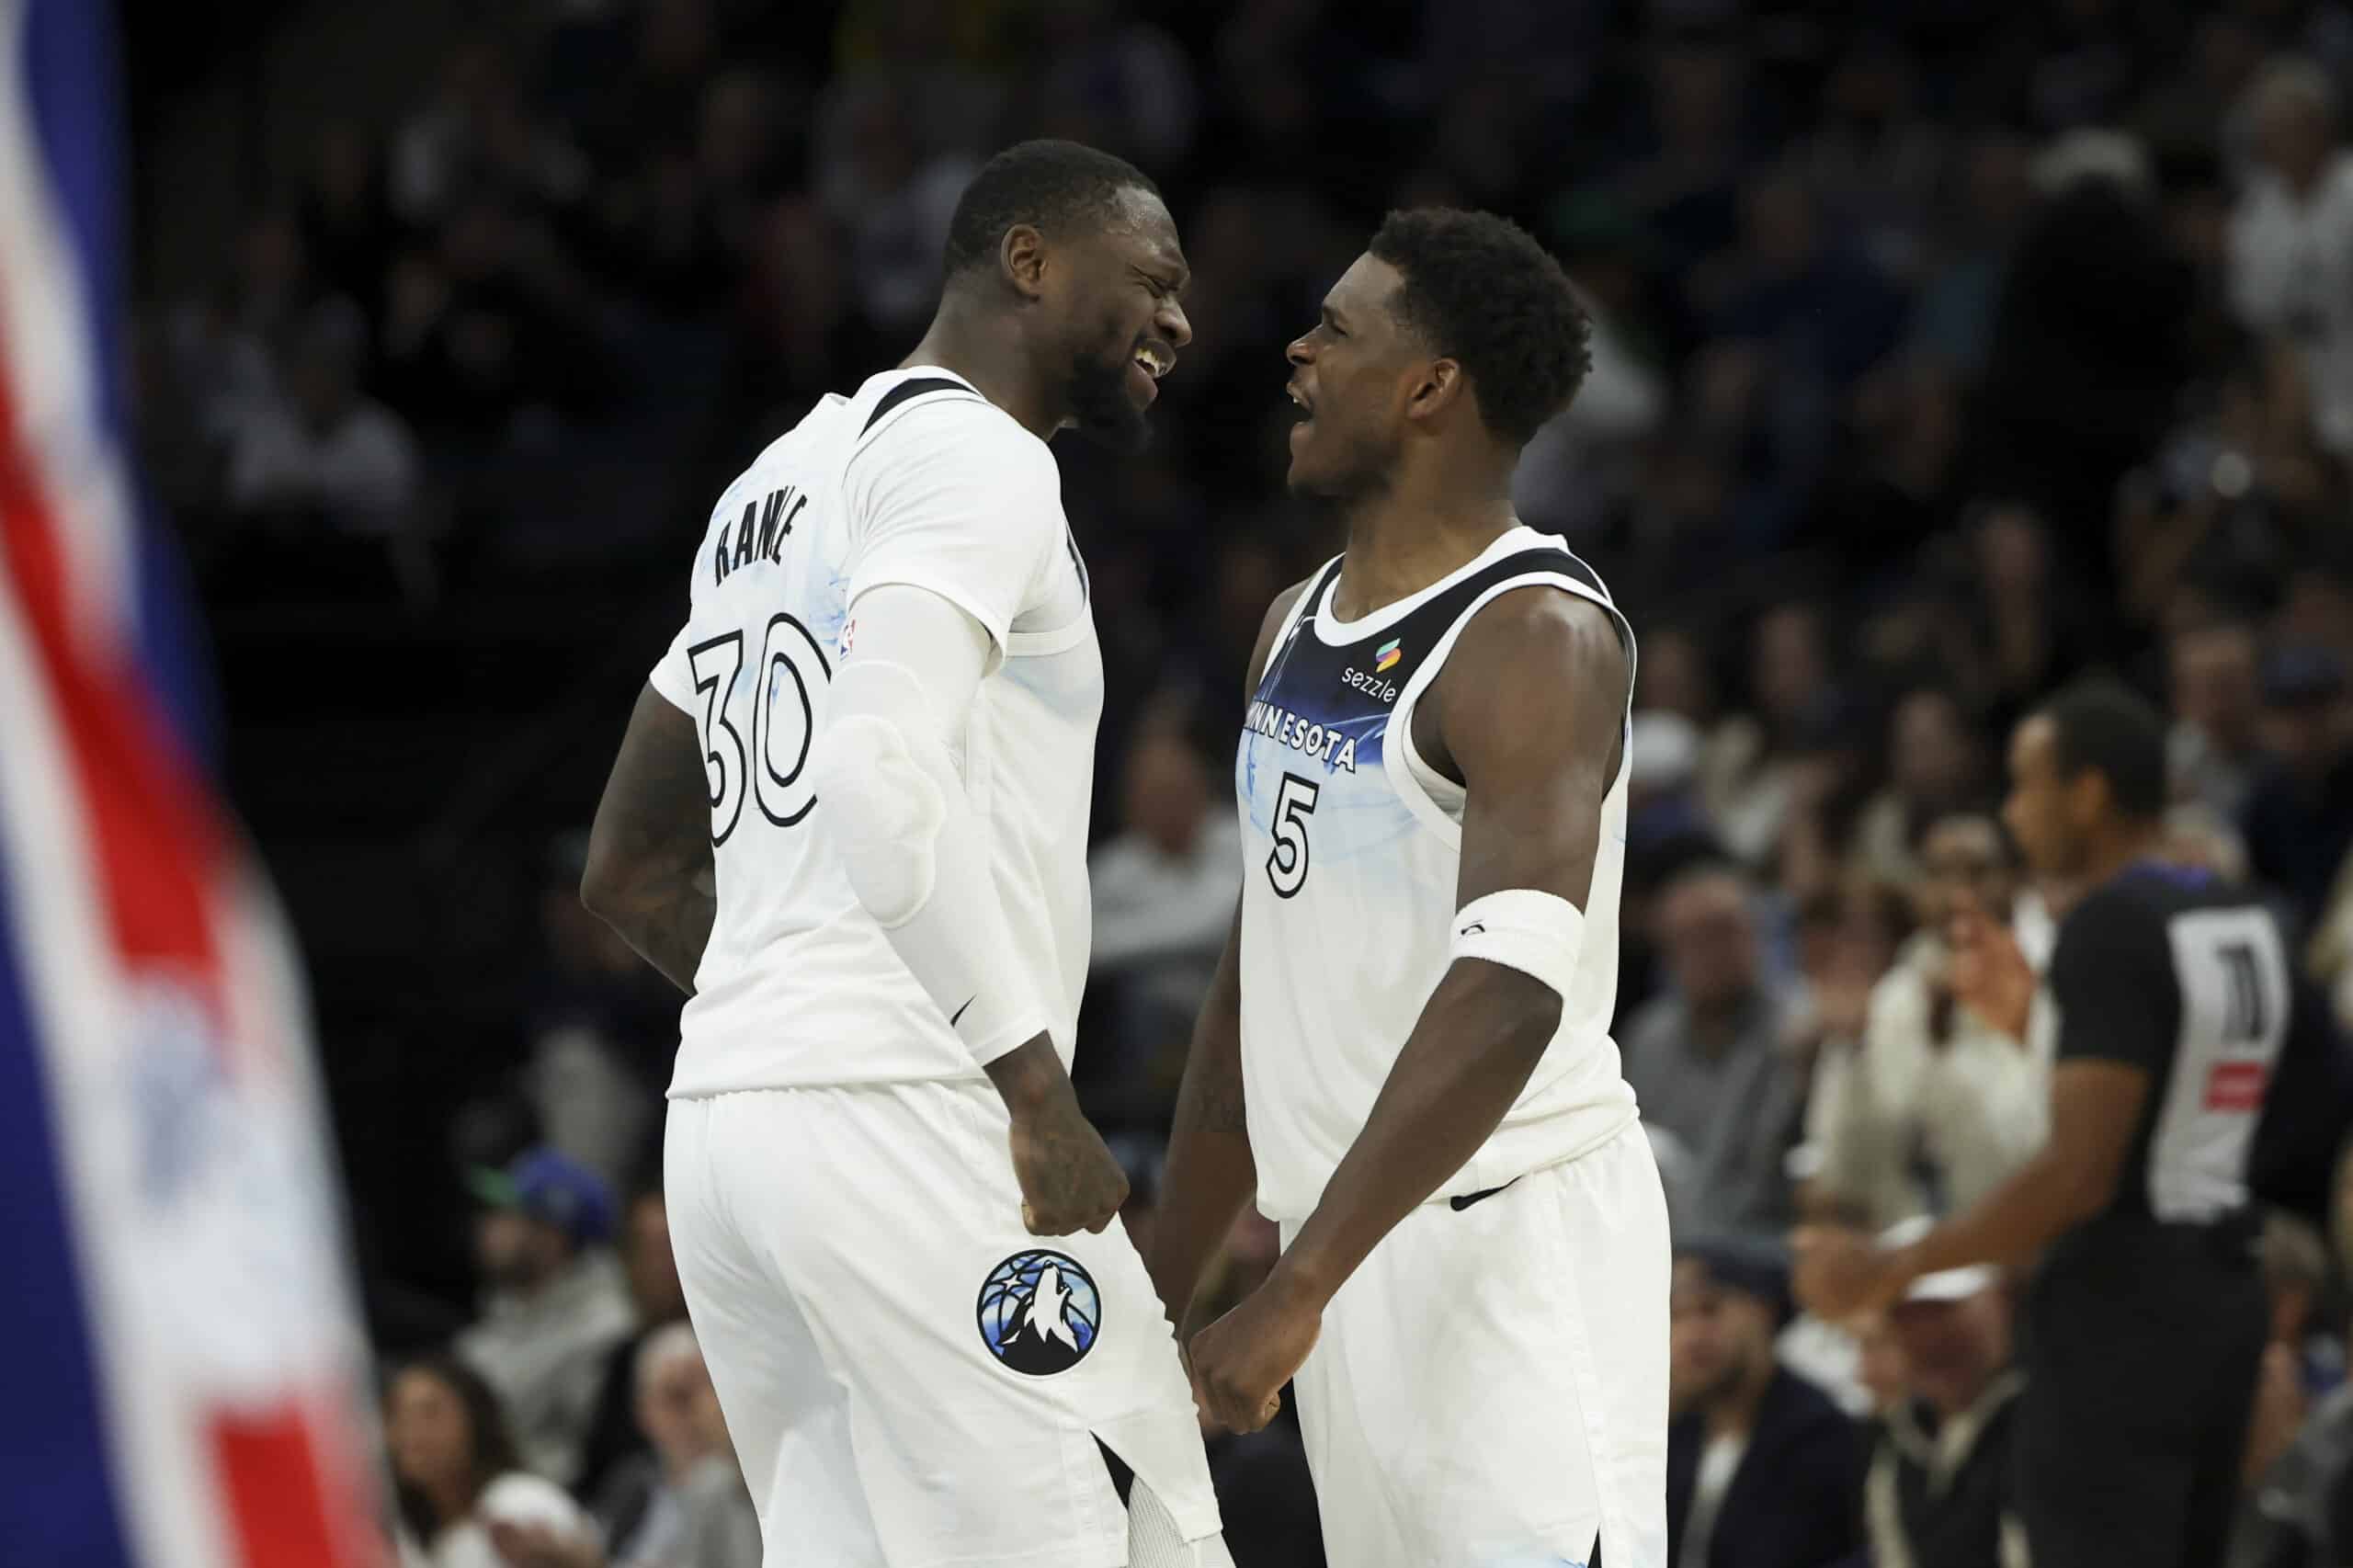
pixel 1287 861
pixel 783 719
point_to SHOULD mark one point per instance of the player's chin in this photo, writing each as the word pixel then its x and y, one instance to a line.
pixel 1306 480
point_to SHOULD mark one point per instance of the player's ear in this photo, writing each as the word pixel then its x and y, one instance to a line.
pixel 1440 385
pixel 1021 258
pixel 2088 795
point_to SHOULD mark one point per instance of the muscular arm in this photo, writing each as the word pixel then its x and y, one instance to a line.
pixel 1211 1174
pixel 1531 708
pixel 649 872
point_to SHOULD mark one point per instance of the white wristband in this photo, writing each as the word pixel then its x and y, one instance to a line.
pixel 1538 934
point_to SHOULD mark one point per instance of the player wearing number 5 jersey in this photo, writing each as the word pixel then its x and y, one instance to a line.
pixel 849 819
pixel 1406 1056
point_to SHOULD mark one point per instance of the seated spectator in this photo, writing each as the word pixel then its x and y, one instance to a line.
pixel 1662 778
pixel 1751 775
pixel 556 1307
pixel 614 1435
pixel 1931 1089
pixel 323 451
pixel 455 1472
pixel 2299 819
pixel 2296 1277
pixel 1706 1061
pixel 603 1030
pixel 2217 701
pixel 1936 762
pixel 2292 236
pixel 2299 1507
pixel 1939 1493
pixel 1164 892
pixel 682 1504
pixel 1762 1470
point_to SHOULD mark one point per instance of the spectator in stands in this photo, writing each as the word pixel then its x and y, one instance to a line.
pixel 659 1301
pixel 1585 462
pixel 1935 763
pixel 1763 1470
pixel 2292 237
pixel 1116 82
pixel 1165 892
pixel 556 1307
pixel 1663 779
pixel 1930 1089
pixel 1754 778
pixel 2217 708
pixel 2297 1277
pixel 602 1032
pixel 2088 349
pixel 1976 232
pixel 2024 610
pixel 2298 1509
pixel 2299 818
pixel 1676 677
pixel 1706 1061
pixel 455 1471
pixel 321 452
pixel 682 1504
pixel 892 198
pixel 1938 1494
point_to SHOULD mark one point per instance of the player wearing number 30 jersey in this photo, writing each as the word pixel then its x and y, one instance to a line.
pixel 1406 1056
pixel 849 819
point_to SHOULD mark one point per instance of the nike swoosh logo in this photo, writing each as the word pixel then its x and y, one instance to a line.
pixel 959 1012
pixel 1475 929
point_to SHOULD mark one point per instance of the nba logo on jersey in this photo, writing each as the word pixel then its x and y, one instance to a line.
pixel 1039 1312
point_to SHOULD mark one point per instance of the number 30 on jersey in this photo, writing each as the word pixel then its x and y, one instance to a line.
pixel 1287 861
pixel 782 720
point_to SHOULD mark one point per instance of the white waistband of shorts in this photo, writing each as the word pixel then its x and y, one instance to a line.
pixel 1494 1180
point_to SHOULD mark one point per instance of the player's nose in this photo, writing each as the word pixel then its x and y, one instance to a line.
pixel 1299 353
pixel 1173 324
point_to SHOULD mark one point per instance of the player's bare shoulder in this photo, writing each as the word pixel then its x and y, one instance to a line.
pixel 1537 662
pixel 1276 613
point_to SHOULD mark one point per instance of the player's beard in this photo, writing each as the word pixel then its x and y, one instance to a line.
pixel 1100 403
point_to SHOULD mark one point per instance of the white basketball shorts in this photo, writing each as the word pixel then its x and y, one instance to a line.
pixel 911 1379
pixel 1489 1389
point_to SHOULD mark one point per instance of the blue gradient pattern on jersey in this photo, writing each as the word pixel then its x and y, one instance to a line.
pixel 1308 721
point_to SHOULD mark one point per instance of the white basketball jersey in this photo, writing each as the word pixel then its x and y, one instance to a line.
pixel 1351 847
pixel 915 480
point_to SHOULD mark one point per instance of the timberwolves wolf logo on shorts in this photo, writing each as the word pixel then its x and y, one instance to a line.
pixel 1039 1313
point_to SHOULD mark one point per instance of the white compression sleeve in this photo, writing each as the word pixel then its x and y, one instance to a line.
pixel 891 793
pixel 1154 1542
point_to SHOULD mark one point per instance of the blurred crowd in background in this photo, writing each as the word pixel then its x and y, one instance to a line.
pixel 1945 351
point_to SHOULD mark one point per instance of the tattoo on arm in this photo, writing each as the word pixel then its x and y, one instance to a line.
pixel 650 864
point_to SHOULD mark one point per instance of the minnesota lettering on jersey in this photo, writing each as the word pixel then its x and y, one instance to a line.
pixel 760 536
pixel 1325 743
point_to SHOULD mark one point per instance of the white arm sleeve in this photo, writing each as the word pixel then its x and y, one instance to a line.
pixel 889 772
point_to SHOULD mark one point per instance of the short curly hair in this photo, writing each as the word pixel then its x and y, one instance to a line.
pixel 1481 291
pixel 1049 184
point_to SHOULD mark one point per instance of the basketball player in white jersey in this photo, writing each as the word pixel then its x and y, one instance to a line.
pixel 1406 1056
pixel 849 819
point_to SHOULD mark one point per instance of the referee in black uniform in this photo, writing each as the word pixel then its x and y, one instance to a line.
pixel 2141 1333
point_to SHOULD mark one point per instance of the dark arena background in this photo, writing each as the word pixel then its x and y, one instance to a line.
pixel 1944 351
